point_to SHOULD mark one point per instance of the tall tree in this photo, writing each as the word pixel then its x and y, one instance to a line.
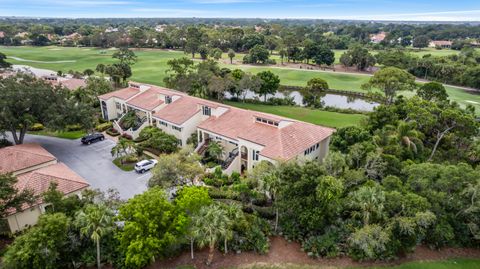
pixel 11 198
pixel 391 80
pixel 189 201
pixel 126 56
pixel 151 227
pixel 209 226
pixel 3 62
pixel 95 221
pixel 269 84
pixel 432 91
pixel 231 55
pixel 25 100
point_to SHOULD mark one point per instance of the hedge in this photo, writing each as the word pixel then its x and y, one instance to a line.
pixel 104 126
pixel 36 127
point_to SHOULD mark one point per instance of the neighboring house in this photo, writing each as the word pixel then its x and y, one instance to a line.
pixel 443 44
pixel 35 168
pixel 247 137
pixel 377 38
pixel 2 34
pixel 69 83
pixel 161 27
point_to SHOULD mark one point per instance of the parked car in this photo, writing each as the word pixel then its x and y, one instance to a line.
pixel 145 165
pixel 91 138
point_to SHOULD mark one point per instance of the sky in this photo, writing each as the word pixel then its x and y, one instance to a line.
pixel 409 10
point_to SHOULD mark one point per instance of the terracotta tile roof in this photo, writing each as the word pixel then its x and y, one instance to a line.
pixel 71 83
pixel 279 143
pixel 39 180
pixel 178 111
pixel 442 42
pixel 183 109
pixel 123 94
pixel 147 100
pixel 15 158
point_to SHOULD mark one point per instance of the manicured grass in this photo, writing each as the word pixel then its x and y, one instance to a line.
pixel 152 64
pixel 315 116
pixel 446 264
pixel 125 167
pixel 61 134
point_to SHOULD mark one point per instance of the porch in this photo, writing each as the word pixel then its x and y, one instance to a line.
pixel 228 151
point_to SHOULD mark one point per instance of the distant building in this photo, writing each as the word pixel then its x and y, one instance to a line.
pixel 161 27
pixel 2 34
pixel 377 38
pixel 22 34
pixel 443 44
pixel 69 83
pixel 35 169
pixel 111 30
pixel 258 28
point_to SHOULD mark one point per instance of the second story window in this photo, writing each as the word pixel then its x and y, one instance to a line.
pixel 206 111
pixel 176 128
pixel 255 155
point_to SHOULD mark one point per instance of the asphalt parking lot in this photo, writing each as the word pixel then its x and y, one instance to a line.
pixel 94 163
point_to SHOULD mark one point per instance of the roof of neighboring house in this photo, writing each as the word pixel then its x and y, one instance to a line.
pixel 39 180
pixel 2 34
pixel 19 157
pixel 147 100
pixel 69 83
pixel 378 37
pixel 279 142
pixel 442 42
pixel 123 94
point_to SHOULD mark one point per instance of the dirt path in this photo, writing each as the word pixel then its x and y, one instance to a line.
pixel 283 252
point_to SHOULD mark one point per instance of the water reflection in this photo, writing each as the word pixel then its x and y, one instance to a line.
pixel 333 100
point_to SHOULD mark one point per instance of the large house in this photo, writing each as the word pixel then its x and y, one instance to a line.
pixel 443 44
pixel 247 137
pixel 35 169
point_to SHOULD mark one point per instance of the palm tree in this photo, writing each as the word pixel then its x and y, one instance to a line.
pixel 95 221
pixel 214 150
pixel 369 201
pixel 408 136
pixel 234 213
pixel 209 226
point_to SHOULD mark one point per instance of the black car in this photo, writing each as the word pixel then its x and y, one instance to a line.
pixel 91 138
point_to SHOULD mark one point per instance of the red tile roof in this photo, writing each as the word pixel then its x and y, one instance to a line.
pixel 123 94
pixel 147 100
pixel 71 83
pixel 19 157
pixel 182 109
pixel 39 180
pixel 279 143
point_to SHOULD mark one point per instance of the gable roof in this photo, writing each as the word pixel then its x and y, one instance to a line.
pixel 123 94
pixel 19 157
pixel 147 100
pixel 38 181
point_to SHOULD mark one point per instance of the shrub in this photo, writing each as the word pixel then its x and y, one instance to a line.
pixel 369 243
pixel 216 193
pixel 103 127
pixel 73 127
pixel 36 127
pixel 325 245
pixel 127 136
pixel 131 159
pixel 112 132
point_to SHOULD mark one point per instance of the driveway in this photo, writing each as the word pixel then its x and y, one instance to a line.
pixel 94 163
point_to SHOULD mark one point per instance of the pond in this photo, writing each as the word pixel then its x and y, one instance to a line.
pixel 330 99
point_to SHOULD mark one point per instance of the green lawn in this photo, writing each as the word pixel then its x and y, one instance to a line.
pixel 60 134
pixel 127 167
pixel 315 116
pixel 446 264
pixel 151 67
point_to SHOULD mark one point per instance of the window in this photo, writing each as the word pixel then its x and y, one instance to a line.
pixel 163 123
pixel 266 121
pixel 206 111
pixel 168 99
pixel 179 141
pixel 311 149
pixel 255 155
pixel 176 128
pixel 118 105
